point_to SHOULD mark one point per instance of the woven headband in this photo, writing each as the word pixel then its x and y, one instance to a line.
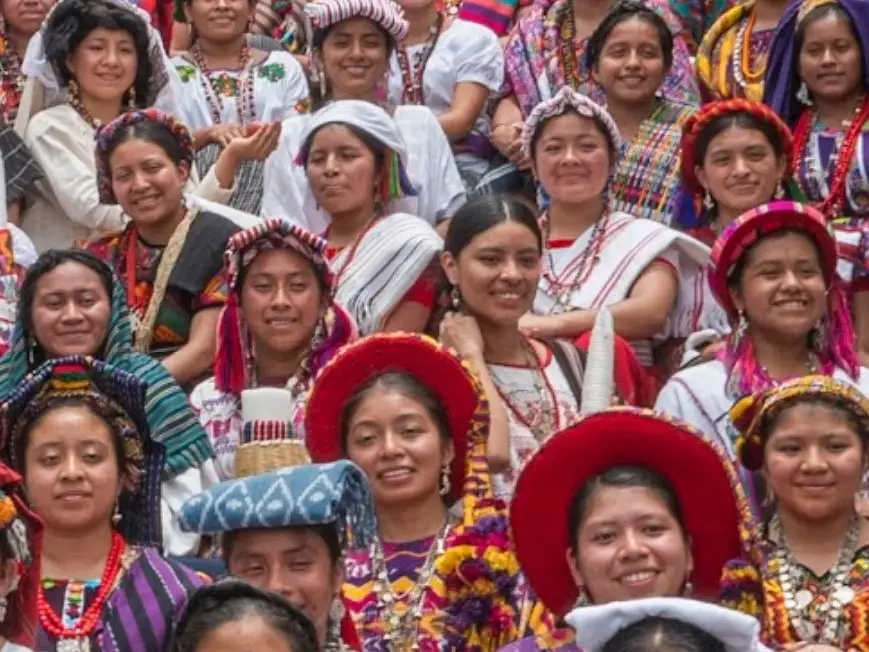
pixel 389 15
pixel 568 100
pixel 696 124
pixel 106 135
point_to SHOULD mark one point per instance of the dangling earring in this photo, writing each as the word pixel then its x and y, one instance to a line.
pixel 31 353
pixel 456 298
pixel 4 605
pixel 581 600
pixel 803 95
pixel 445 480
pixel 688 591
pixel 740 330
pixel 131 98
pixel 708 202
pixel 779 191
pixel 336 615
pixel 819 335
pixel 117 516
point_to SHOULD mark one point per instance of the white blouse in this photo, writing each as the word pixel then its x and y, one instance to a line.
pixel 64 206
pixel 431 169
pixel 465 52
pixel 280 90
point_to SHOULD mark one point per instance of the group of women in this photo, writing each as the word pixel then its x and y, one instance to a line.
pixel 434 326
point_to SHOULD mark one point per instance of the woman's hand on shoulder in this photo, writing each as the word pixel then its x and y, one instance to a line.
pixel 462 333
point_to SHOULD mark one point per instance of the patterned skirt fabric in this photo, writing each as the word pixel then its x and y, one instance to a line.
pixel 248 196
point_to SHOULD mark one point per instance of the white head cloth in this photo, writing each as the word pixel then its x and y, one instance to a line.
pixel 386 13
pixel 43 89
pixel 569 100
pixel 598 624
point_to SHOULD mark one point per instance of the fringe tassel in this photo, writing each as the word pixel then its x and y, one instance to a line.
pixel 349 635
pixel 229 360
pixel 395 183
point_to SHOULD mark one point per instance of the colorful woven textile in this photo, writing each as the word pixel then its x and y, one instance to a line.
pixel 387 14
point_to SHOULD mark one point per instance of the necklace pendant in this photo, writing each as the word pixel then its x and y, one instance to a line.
pixel 804 598
pixel 73 645
pixel 844 594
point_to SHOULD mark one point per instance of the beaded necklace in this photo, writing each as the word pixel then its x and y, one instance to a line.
pixel 840 160
pixel 76 103
pixel 401 631
pixel 77 639
pixel 411 76
pixel 797 601
pixel 560 286
pixel 351 252
pixel 12 78
pixel 741 60
pixel 245 101
pixel 541 427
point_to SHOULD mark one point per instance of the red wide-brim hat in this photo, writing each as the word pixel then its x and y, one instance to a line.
pixel 418 356
pixel 704 480
pixel 753 225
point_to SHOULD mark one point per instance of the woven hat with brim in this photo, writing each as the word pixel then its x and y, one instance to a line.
pixel 705 482
pixel 753 225
pixel 118 397
pixel 418 356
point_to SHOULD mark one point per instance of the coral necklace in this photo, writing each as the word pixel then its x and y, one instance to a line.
pixel 76 639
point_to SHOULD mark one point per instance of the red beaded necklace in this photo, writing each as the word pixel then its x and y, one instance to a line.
pixel 78 635
pixel 338 274
pixel 412 76
pixel 576 272
pixel 245 100
pixel 832 205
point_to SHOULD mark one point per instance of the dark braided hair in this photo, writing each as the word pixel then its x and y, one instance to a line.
pixel 625 10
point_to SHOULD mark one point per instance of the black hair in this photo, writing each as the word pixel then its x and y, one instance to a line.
pixel 598 123
pixel 484 212
pixel 657 634
pixel 328 532
pixel 319 274
pixel 771 420
pixel 402 383
pixel 623 11
pixel 621 477
pixel 71 22
pixel 47 262
pixel 734 279
pixel 816 14
pixel 377 148
pixel 230 601
pixel 151 131
pixel 741 120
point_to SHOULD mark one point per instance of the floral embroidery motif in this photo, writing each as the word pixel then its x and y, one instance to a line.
pixel 274 72
pixel 186 71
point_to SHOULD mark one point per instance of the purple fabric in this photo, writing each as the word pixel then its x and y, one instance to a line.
pixel 782 82
pixel 530 644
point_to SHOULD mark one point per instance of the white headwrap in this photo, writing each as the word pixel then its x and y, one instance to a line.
pixel 43 90
pixel 386 13
pixel 598 624
pixel 569 100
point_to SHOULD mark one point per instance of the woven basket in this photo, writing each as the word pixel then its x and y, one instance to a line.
pixel 260 457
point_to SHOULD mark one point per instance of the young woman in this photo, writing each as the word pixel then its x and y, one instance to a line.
pixel 169 257
pixel 295 550
pixel 280 325
pixel 806 578
pixel 382 260
pixel 20 551
pixel 629 55
pixel 19 21
pixel 593 257
pixel 821 59
pixel 76 429
pixel 732 57
pixel 427 582
pixel 236 617
pixel 773 271
pixel 72 304
pixel 81 41
pixel 453 67
pixel 350 50
pixel 620 494
pixel 226 86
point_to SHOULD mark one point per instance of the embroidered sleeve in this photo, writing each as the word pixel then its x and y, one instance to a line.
pixel 423 291
pixel 213 295
pixel 741 588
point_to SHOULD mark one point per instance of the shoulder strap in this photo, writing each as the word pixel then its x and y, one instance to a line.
pixel 571 361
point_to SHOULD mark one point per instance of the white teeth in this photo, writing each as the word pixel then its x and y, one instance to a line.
pixel 398 473
pixel 638 577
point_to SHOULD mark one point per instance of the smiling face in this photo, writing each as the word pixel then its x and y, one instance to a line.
pixel 342 170
pixel 355 57
pixel 814 461
pixel 219 21
pixel 781 288
pixel 104 64
pixel 394 439
pixel 830 61
pixel 281 302
pixel 629 545
pixel 572 159
pixel 497 273
pixel 24 16
pixel 294 563
pixel 71 469
pixel 740 170
pixel 71 311
pixel 148 184
pixel 631 66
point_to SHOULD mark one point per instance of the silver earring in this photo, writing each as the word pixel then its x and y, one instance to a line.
pixel 456 298
pixel 4 605
pixel 819 335
pixel 803 95
pixel 779 191
pixel 117 517
pixel 708 201
pixel 581 600
pixel 446 485
pixel 688 591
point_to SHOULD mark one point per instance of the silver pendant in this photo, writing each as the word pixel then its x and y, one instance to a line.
pixel 73 645
pixel 844 594
pixel 804 598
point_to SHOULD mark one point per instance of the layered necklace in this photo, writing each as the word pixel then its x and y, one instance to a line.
pixel 741 60
pixel 411 74
pixel 401 631
pixel 824 625
pixel 216 86
pixel 77 638
pixel 559 286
